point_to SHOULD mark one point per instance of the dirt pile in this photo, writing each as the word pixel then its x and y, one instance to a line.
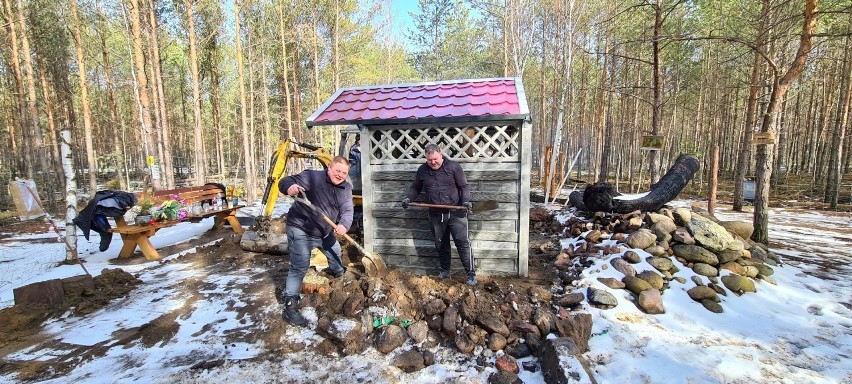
pixel 21 321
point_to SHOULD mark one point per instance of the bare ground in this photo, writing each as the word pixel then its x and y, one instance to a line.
pixel 252 301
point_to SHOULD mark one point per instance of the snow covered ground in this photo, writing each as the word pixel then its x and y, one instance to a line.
pixel 798 331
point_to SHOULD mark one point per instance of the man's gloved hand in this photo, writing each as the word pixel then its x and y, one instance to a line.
pixel 405 202
pixel 468 205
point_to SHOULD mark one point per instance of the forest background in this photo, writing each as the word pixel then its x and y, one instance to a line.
pixel 93 92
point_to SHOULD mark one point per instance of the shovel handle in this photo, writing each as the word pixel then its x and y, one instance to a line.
pixel 437 206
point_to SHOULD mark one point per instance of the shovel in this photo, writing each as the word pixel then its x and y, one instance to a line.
pixel 373 263
pixel 479 206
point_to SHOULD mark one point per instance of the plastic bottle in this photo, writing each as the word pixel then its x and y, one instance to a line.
pixel 217 204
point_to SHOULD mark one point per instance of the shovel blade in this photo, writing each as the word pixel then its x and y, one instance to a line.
pixel 485 205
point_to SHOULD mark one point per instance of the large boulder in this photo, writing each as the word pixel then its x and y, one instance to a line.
pixel 709 234
pixel 695 254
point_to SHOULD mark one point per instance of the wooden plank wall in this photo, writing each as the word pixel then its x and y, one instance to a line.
pixel 403 236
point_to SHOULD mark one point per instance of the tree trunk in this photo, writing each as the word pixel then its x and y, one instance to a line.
pixel 35 128
pixel 770 120
pixel 200 154
pixel 167 167
pixel 70 195
pixel 84 101
pixel 841 117
pixel 50 108
pixel 251 187
pixel 25 163
pixel 600 197
pixel 287 127
pixel 141 80
pixel 117 141
pixel 656 116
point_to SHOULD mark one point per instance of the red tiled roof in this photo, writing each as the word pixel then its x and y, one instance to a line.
pixel 487 99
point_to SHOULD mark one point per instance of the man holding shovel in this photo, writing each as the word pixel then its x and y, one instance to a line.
pixel 444 183
pixel 329 193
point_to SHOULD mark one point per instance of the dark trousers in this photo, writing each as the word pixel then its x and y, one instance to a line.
pixel 453 223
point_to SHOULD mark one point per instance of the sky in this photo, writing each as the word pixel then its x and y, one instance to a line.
pixel 798 331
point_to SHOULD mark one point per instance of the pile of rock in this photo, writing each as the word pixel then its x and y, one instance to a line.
pixel 493 321
pixel 694 239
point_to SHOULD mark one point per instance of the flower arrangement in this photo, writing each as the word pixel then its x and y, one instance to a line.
pixel 145 205
pixel 172 209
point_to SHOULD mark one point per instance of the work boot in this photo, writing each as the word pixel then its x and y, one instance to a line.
pixel 336 274
pixel 442 274
pixel 471 280
pixel 291 313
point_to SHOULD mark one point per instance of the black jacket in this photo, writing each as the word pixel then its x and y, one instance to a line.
pixel 333 200
pixel 106 203
pixel 446 186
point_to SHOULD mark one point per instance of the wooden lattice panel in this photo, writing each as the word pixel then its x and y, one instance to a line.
pixel 461 143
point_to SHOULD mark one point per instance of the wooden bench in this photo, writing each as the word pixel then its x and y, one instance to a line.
pixel 139 235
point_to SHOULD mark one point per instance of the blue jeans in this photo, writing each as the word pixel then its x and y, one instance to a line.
pixel 301 244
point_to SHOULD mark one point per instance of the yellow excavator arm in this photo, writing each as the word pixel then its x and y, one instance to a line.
pixel 278 163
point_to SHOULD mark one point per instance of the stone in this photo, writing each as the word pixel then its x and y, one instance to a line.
pixel 733 267
pixel 697 280
pixel 742 229
pixel 463 343
pixel 434 307
pixel 519 351
pixel 655 218
pixel 682 235
pixel 718 289
pixel 578 327
pixel 449 323
pixel 622 266
pixel 544 320
pixel 695 254
pixel 601 297
pixel 682 216
pixel 709 234
pixel 542 293
pixel 611 282
pixel 533 342
pixel 496 342
pixel 418 331
pixel 435 322
pixel 631 257
pixel 660 263
pixel 738 284
pixel 428 357
pixel 736 245
pixel 389 338
pixel 728 256
pixel 492 324
pixel 764 270
pixel 705 269
pixel 571 299
pixel 651 301
pixel 712 306
pixel 680 279
pixel 409 361
pixel 656 250
pixel 635 284
pixel 641 239
pixel 501 377
pixel 634 223
pixel 558 360
pixel 663 229
pixel 702 293
pixel 750 271
pixel 652 278
pixel 524 328
pixel 594 236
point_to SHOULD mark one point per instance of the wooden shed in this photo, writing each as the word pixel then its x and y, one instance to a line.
pixel 483 124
